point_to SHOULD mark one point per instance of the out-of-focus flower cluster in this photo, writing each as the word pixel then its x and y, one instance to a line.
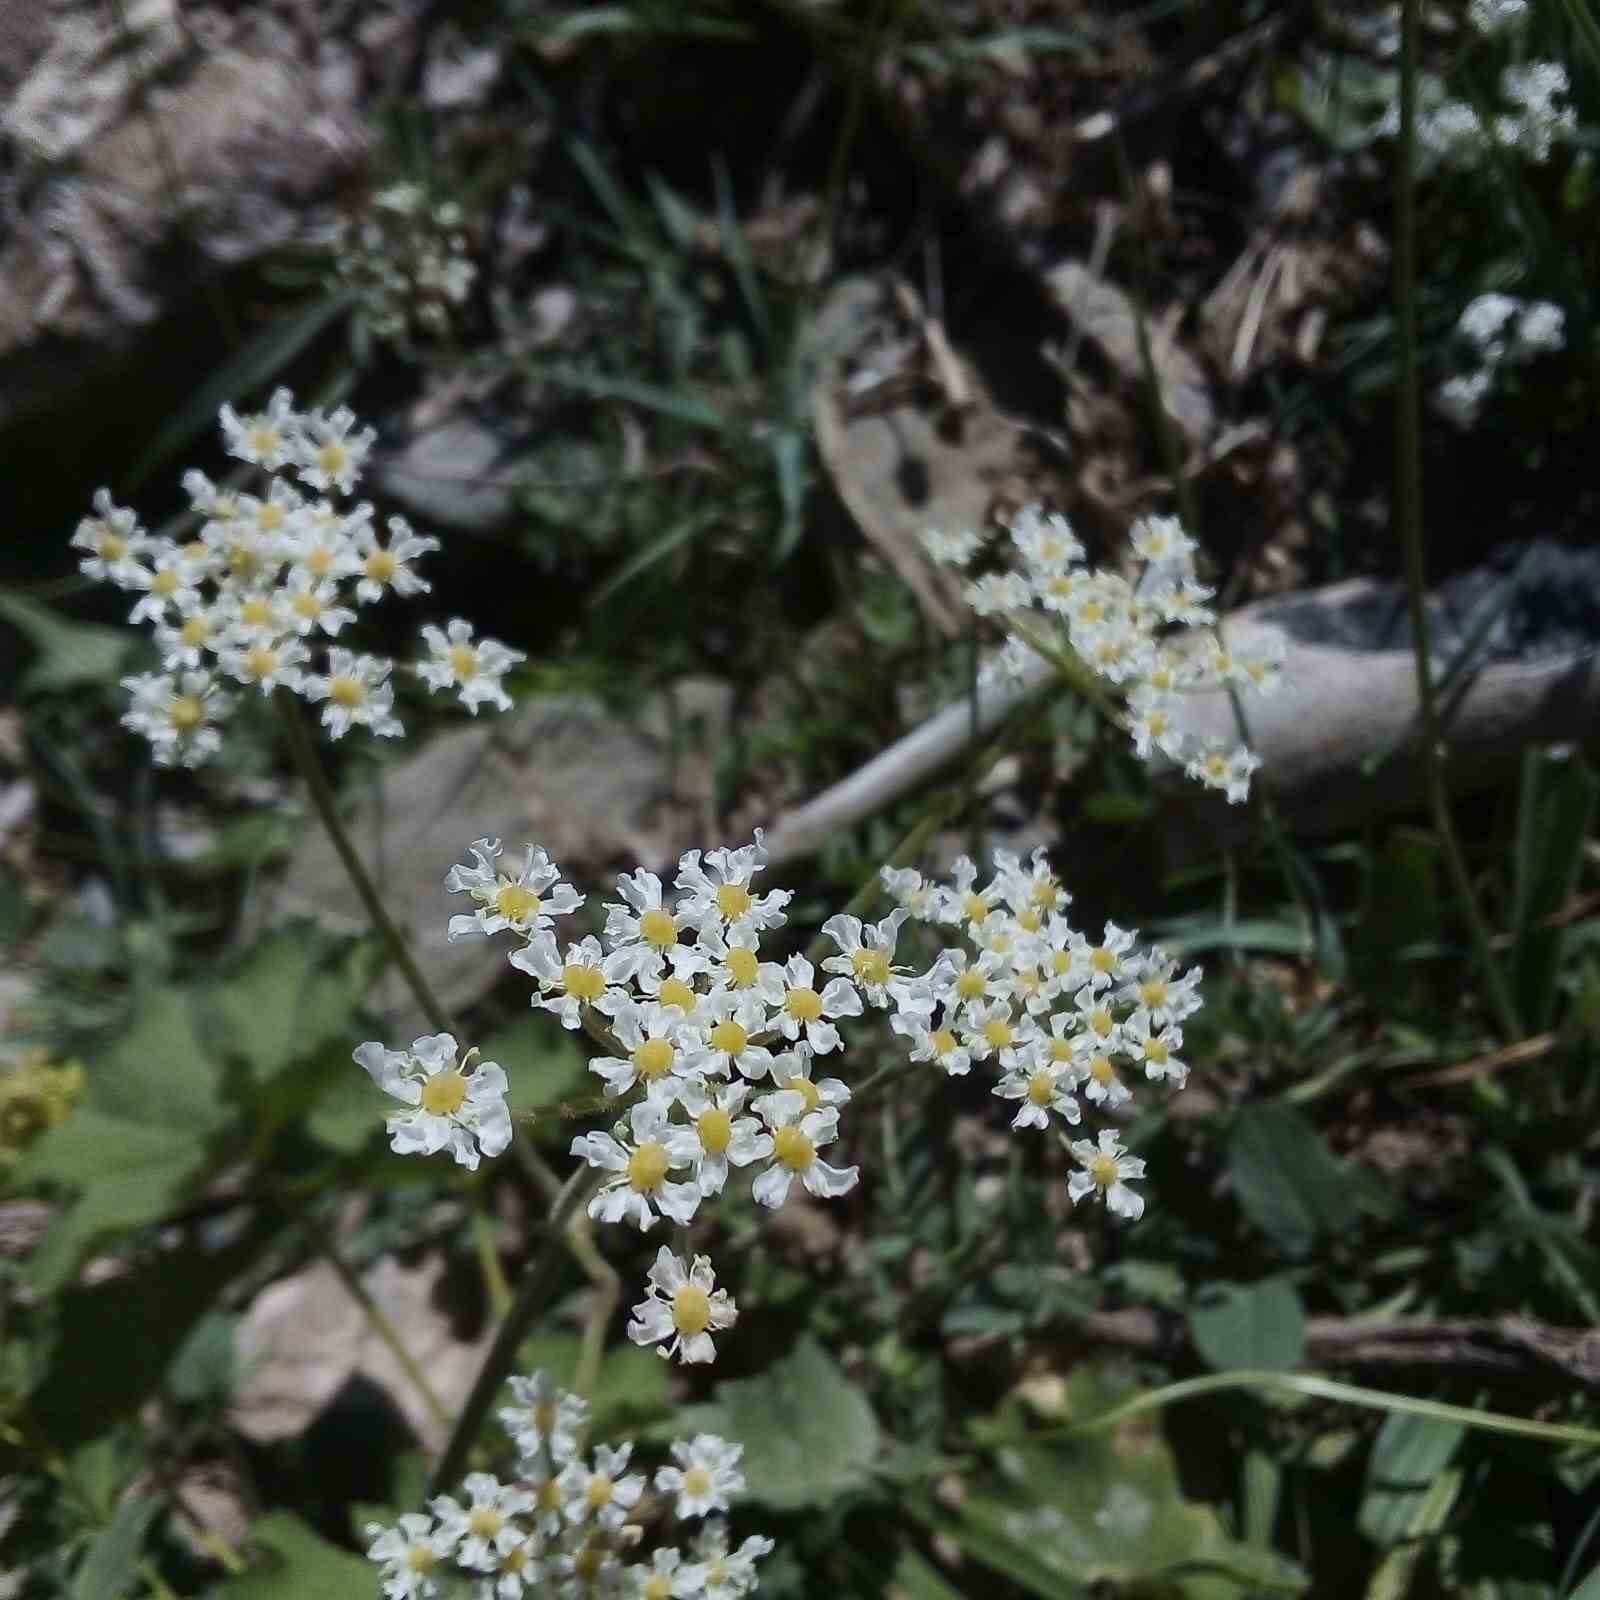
pixel 1149 638
pixel 1501 333
pixel 570 1523
pixel 406 259
pixel 719 1057
pixel 36 1093
pixel 269 580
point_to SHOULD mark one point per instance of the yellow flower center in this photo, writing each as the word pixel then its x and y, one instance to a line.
pixel 691 1309
pixel 1156 722
pixel 1103 1073
pixel 257 612
pixel 263 440
pixel 743 966
pixel 306 604
pixel 443 1093
pixel 582 981
pixel 1091 611
pixel 807 1090
pixel 715 1127
pixel 269 517
pixel 1156 1050
pixel 697 1481
pixel 675 992
pixel 463 661
pixel 1060 1049
pixel 793 1149
pixel 1153 991
pixel 587 1563
pixel 260 662
pixel 658 1586
pixel 1161 678
pixel 419 1558
pixel 112 545
pixel 1060 961
pixel 657 928
pixel 514 1559
pixel 1046 894
pixel 381 566
pixel 653 1059
pixel 647 1166
pixel 319 561
pixel 1041 1087
pixel 971 984
pixel 599 1491
pixel 332 456
pixel 516 902
pixel 165 581
pixel 975 907
pixel 998 1032
pixel 942 1040
pixel 549 1495
pixel 803 1004
pixel 730 1036
pixel 1028 981
pixel 346 691
pixel 733 900
pixel 1001 943
pixel 485 1521
pixel 242 559
pixel 1102 960
pixel 1029 920
pixel 871 967
pixel 1216 766
pixel 186 712
pixel 1103 1169
pixel 544 1416
pixel 1101 1021
pixel 195 630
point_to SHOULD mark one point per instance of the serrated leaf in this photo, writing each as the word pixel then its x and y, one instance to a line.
pixel 108 1570
pixel 809 1434
pixel 295 1563
pixel 1286 1179
pixel 1255 1326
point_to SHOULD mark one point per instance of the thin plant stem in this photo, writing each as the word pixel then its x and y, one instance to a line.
pixel 531 1301
pixel 376 1318
pixel 606 1292
pixel 327 808
pixel 494 1278
pixel 1408 517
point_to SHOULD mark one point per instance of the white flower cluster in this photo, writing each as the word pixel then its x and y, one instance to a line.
pixel 1502 332
pixel 568 1524
pixel 268 578
pixel 1533 121
pixel 1143 637
pixel 1493 17
pixel 406 259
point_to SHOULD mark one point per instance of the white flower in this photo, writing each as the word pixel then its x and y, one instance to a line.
pixel 909 887
pixel 682 1307
pixel 1156 1047
pixel 546 1420
pixel 953 549
pixel 177 715
pixel 1461 398
pixel 731 1018
pixel 567 982
pixel 473 669
pixel 114 541
pixel 326 454
pixel 525 901
pixel 796 1136
pixel 718 893
pixel 453 1108
pixel 1096 1020
pixel 1491 17
pixel 792 1071
pixel 483 1527
pixel 168 585
pixel 644 927
pixel 639 1175
pixel 728 1574
pixel 998 591
pixel 1108 1169
pixel 265 665
pixel 666 1578
pixel 358 693
pixel 385 567
pixel 408 1553
pixel 516 1567
pixel 725 1138
pixel 1218 767
pixel 994 1030
pixel 734 965
pixel 321 548
pixel 662 1051
pixel 1045 542
pixel 1162 542
pixel 866 955
pixel 600 1492
pixel 1154 990
pixel 1101 965
pixel 310 605
pixel 801 1010
pixel 1041 1088
pixel 1153 722
pixel 706 1476
pixel 933 1044
pixel 266 438
pixel 1099 1081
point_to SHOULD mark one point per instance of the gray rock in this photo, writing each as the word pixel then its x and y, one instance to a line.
pixel 451 476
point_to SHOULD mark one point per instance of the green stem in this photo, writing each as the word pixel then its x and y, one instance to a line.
pixel 532 1300
pixel 327 808
pixel 1408 515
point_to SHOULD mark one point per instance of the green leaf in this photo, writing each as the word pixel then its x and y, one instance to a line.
pixel 109 1568
pixel 1401 910
pixel 298 1564
pixel 1553 820
pixel 1407 1456
pixel 1256 1325
pixel 682 405
pixel 1589 1589
pixel 156 1070
pixel 808 1433
pixel 68 653
pixel 1285 1178
pixel 542 1063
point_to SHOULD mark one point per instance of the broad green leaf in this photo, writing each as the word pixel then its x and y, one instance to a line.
pixel 296 1563
pixel 1256 1325
pixel 1407 1456
pixel 156 1070
pixel 808 1433
pixel 108 1570
pixel 1286 1179
pixel 918 1579
pixel 542 1063
pixel 1589 1589
pixel 67 654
